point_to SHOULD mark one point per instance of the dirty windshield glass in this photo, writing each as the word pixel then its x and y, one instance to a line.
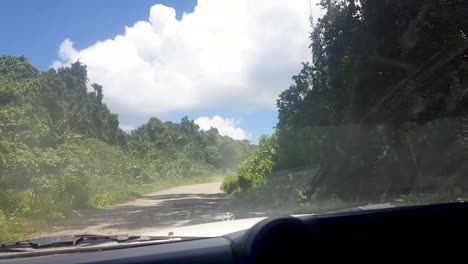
pixel 170 118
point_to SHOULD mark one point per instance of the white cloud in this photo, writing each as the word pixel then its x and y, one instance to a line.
pixel 231 53
pixel 226 127
pixel 127 128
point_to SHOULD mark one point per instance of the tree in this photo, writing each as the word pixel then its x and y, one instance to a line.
pixel 61 147
pixel 98 91
pixel 369 108
pixel 17 68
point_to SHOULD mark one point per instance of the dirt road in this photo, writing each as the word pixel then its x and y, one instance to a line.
pixel 176 207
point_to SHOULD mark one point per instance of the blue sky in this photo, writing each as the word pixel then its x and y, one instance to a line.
pixel 238 68
pixel 35 29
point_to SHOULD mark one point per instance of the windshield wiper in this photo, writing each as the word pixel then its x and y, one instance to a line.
pixel 71 241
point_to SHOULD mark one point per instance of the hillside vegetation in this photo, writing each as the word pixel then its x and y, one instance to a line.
pixel 380 114
pixel 61 149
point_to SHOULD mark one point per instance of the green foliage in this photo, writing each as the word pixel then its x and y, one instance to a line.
pixel 16 68
pixel 184 150
pixel 3 222
pixel 61 148
pixel 252 173
pixel 113 197
pixel 380 111
pixel 3 225
pixel 367 111
pixel 9 91
pixel 230 184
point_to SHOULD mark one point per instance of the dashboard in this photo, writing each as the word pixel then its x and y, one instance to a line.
pixel 392 231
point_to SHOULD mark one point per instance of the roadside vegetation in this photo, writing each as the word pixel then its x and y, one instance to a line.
pixel 62 151
pixel 378 115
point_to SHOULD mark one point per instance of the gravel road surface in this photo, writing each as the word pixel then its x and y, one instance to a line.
pixel 176 207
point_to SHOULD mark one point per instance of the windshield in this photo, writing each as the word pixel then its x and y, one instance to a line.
pixel 145 118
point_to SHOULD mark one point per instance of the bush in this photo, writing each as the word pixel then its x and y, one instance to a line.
pixel 253 172
pixel 230 184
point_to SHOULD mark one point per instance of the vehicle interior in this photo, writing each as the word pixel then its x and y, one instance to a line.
pixel 294 239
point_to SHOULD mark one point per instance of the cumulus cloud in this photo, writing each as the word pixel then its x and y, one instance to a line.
pixel 232 53
pixel 226 127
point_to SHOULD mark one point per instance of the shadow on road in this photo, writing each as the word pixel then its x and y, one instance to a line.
pixel 162 211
